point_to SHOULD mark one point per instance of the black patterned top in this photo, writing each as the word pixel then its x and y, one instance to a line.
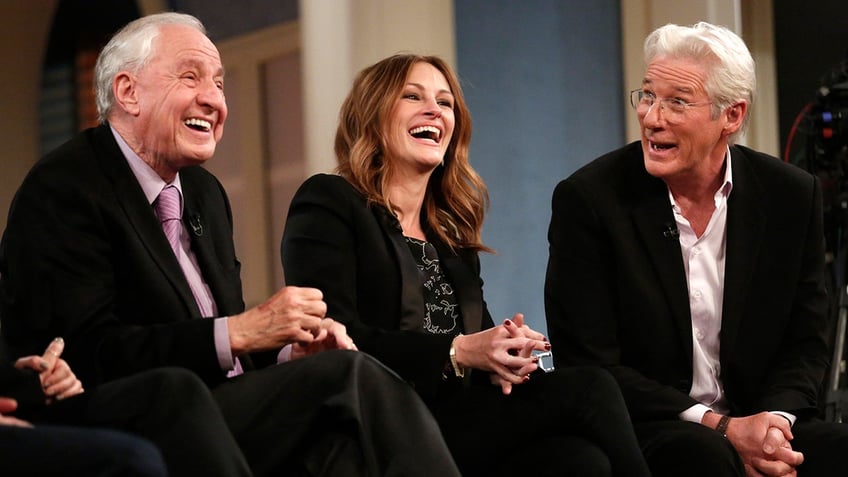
pixel 442 308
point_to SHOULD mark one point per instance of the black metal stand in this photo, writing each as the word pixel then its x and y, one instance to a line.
pixel 836 397
pixel 836 394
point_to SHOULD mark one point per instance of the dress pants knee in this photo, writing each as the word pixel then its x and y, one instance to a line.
pixel 676 448
pixel 277 413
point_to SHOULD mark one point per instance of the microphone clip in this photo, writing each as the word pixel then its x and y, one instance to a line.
pixel 196 225
pixel 671 232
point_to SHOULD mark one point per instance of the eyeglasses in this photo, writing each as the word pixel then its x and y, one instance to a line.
pixel 673 109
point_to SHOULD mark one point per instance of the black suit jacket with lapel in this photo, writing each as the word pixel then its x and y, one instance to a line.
pixel 356 254
pixel 83 257
pixel 616 291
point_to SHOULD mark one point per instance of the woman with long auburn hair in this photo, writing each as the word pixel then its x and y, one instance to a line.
pixel 392 241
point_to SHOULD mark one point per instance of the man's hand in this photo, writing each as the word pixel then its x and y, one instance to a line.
pixel 292 315
pixel 332 335
pixel 57 379
pixel 7 406
pixel 763 443
pixel 776 447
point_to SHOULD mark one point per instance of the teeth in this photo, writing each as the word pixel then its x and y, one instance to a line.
pixel 421 129
pixel 201 123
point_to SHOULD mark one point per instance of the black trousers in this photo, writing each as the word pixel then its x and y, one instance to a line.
pixel 675 448
pixel 59 451
pixel 171 407
pixel 334 413
pixel 571 422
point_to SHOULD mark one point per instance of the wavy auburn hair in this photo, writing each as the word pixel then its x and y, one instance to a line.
pixel 457 198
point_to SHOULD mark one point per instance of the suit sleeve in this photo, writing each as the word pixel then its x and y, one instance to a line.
pixel 793 382
pixel 323 247
pixel 582 303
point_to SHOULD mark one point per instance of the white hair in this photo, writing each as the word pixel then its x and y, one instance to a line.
pixel 129 50
pixel 730 68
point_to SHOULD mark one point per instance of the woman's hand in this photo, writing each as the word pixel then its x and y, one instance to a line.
pixel 7 406
pixel 506 351
pixel 57 379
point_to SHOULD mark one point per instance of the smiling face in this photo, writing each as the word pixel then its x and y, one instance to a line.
pixel 420 125
pixel 693 147
pixel 179 103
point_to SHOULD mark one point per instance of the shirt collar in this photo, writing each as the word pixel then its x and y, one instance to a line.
pixel 723 192
pixel 147 178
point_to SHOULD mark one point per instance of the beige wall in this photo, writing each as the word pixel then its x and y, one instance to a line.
pixel 260 158
pixel 24 28
pixel 340 37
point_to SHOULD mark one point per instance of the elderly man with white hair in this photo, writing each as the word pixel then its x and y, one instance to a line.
pixel 693 269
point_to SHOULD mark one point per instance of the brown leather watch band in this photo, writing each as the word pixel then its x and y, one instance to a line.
pixel 721 427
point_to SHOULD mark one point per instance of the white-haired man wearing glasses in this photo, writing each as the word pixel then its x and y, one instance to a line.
pixel 693 269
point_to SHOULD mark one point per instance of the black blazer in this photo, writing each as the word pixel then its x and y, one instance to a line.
pixel 356 254
pixel 83 257
pixel 616 291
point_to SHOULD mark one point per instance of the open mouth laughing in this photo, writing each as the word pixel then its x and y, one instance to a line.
pixel 198 124
pixel 426 132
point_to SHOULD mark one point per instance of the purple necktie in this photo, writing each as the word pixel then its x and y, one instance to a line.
pixel 168 211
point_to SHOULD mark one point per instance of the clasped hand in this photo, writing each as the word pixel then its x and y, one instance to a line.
pixel 762 441
pixel 506 351
pixel 293 315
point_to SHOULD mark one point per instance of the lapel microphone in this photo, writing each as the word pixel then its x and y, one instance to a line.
pixel 196 225
pixel 671 231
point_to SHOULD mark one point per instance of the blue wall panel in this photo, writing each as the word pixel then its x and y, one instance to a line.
pixel 543 82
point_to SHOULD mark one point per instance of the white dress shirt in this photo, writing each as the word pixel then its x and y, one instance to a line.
pixel 704 261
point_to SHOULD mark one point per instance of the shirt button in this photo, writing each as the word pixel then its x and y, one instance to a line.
pixel 699 334
pixel 697 293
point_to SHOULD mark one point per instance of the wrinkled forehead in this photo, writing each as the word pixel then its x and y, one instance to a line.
pixel 684 75
pixel 179 42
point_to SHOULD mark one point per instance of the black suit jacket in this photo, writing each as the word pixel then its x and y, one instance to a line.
pixel 616 291
pixel 84 257
pixel 356 254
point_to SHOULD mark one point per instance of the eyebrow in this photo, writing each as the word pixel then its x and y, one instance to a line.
pixel 678 89
pixel 193 63
pixel 420 86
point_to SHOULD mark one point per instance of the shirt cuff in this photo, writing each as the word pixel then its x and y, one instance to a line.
pixel 285 354
pixel 789 416
pixel 695 413
pixel 222 344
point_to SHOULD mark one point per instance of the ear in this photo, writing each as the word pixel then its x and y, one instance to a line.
pixel 734 116
pixel 126 94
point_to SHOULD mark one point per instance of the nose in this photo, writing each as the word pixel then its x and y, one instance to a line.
pixel 432 108
pixel 209 94
pixel 650 119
